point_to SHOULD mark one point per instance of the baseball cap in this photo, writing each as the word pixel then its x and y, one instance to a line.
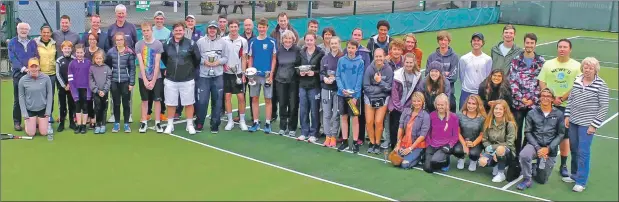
pixel 478 35
pixel 548 90
pixel 159 13
pixel 212 23
pixel 33 61
pixel 190 16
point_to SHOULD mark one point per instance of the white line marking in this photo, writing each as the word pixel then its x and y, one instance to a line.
pixel 611 118
pixel 512 183
pixel 598 39
pixel 614 138
pixel 555 41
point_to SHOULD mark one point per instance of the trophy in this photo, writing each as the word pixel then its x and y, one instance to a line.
pixel 331 75
pixel 352 106
pixel 305 68
pixel 239 81
pixel 268 82
pixel 251 74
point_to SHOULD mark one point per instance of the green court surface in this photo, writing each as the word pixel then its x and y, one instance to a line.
pixel 235 165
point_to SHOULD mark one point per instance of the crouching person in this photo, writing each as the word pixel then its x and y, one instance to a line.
pixel 499 137
pixel 442 136
pixel 414 125
pixel 36 88
pixel 544 130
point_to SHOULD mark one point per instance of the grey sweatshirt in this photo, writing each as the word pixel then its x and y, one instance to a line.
pixel 35 94
pixel 450 63
pixel 217 48
pixel 59 36
pixel 373 89
pixel 100 78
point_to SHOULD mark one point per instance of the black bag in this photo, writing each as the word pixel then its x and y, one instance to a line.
pixel 513 172
pixel 377 102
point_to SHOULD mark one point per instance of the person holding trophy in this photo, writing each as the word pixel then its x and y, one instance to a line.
pixel 349 78
pixel 287 84
pixel 330 114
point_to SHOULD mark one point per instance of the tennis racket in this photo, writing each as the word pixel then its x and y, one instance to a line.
pixel 8 136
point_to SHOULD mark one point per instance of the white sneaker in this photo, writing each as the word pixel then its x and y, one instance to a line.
pixel 312 139
pixel 499 177
pixel 568 179
pixel 242 125
pixel 460 164
pixel 301 138
pixel 169 129
pixel 578 188
pixel 472 166
pixel 190 129
pixel 158 128
pixel 230 125
pixel 111 119
pixel 495 170
pixel 143 127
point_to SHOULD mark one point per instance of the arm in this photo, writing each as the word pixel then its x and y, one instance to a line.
pixel 386 84
pixel 92 83
pixel 142 68
pixel 225 53
pixel 425 128
pixel 71 79
pixel 359 83
pixel 485 140
pixel 59 76
pixel 528 131
pixel 601 113
pixel 323 70
pixel 453 70
pixel 157 66
pixel 559 136
pixel 50 97
pixel 395 94
pixel 15 63
pixel 511 137
pixel 22 98
pixel 338 78
pixel 108 81
pixel 368 82
pixel 131 69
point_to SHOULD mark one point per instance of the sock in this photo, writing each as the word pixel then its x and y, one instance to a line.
pixel 144 122
pixel 563 160
pixel 229 116
pixel 268 121
pixel 170 122
pixel 241 117
pixel 157 122
pixel 189 122
pixel 256 121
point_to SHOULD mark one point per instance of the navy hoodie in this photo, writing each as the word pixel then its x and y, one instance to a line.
pixel 329 62
pixel 450 62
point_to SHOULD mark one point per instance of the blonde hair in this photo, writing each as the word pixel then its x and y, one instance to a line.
pixel 441 97
pixel 590 61
pixel 290 34
pixel 481 110
pixel 336 38
pixel 420 96
pixel 508 117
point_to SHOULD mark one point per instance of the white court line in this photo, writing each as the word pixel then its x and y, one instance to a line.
pixel 555 41
pixel 614 138
pixel 512 183
pixel 598 39
pixel 611 118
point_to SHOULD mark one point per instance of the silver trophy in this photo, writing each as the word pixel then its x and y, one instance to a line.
pixel 239 81
pixel 331 75
pixel 251 74
pixel 267 75
pixel 305 68
pixel 349 91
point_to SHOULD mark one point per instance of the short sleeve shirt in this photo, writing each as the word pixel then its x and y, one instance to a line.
pixel 238 49
pixel 262 51
pixel 148 52
pixel 560 77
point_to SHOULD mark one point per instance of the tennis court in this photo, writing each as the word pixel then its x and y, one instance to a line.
pixel 237 165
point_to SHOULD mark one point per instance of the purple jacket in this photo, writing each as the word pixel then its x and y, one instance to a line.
pixel 443 132
pixel 79 72
pixel 20 54
pixel 397 91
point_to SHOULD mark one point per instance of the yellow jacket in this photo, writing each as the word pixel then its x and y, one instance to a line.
pixel 47 56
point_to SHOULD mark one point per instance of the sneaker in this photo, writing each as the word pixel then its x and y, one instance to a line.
pixel 229 126
pixel 163 117
pixel 72 125
pixel 327 142
pixel 343 146
pixel 116 128
pixel 370 148
pixel 568 179
pixel 359 142
pixel 214 130
pixel 526 183
pixel 111 120
pixel 158 128
pixel 578 188
pixel 243 126
pixel 355 148
pixel 292 133
pixel 267 128
pixel 84 129
pixel 127 128
pixel 78 130
pixel 499 177
pixel 564 172
pixel 169 129
pixel 102 130
pixel 445 169
pixel 312 139
pixel 199 128
pixel 333 142
pixel 376 149
pixel 255 127
pixel 495 170
pixel 190 129
pixel 177 117
pixel 301 138
pixel 472 166
pixel 282 132
pixel 143 127
pixel 60 127
pixel 97 129
pixel 17 127
pixel 460 165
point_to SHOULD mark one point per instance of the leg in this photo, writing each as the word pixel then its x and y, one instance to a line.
pixel 584 155
pixel 459 151
pixel 574 138
pixel 361 119
pixel 411 159
pixel 202 100
pixel 31 126
pixel 216 90
pixel 519 115
pixel 269 99
pixel 115 89
pixel 314 100
pixel 475 151
pixel 284 109
pixel 503 157
pixel 293 107
pixel 53 81
pixel 439 160
pixel 327 112
pixel 427 164
pixel 146 103
pixel 16 110
pixel 126 100
pixel 394 124
pixel 188 100
pixel 355 128
pixel 304 111
pixel 527 155
pixel 543 175
pixel 43 124
pixel 369 122
pixel 379 119
pixel 62 101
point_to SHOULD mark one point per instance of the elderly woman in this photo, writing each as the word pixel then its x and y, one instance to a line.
pixel 498 139
pixel 414 125
pixel 35 99
pixel 287 84
pixel 586 110
pixel 442 137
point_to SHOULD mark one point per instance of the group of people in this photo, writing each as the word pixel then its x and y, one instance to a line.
pixel 513 106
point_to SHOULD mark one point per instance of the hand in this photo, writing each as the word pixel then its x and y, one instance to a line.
pixel 388 57
pixel 310 73
pixel 527 102
pixel 466 150
pixel 101 94
pixel 151 85
pixel 591 130
pixel 214 64
pixel 207 63
pixel 446 73
pixel 396 149
pixel 130 88
pixel 558 101
pixel 494 158
pixel 270 80
pixel 491 103
pixel 542 152
pixel 469 143
pixel 346 94
pixel 354 101
pixel 377 77
pixel 302 73
pixel 567 122
pixel 243 78
pixel 407 151
pixel 66 88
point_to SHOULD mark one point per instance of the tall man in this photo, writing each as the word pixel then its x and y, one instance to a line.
pixel 21 49
pixel 380 40
pixel 312 26
pixel 262 56
pixel 237 63
pixel 473 67
pixel 210 82
pixel 64 34
pixel 95 27
pixel 558 75
pixel 449 59
pixel 194 34
pixel 357 35
pixel 160 33
pixel 148 53
pixel 248 34
pixel 503 53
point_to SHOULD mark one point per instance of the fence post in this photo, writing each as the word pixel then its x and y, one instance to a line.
pixel 392 6
pixel 10 18
pixel 97 7
pixel 354 8
pixel 424 5
pixel 309 9
pixel 253 11
pixel 550 14
pixel 186 8
pixel 57 15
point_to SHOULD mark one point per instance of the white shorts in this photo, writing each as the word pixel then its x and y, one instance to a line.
pixel 172 90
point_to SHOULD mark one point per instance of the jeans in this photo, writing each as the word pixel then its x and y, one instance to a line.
pixel 309 99
pixel 16 110
pixel 330 115
pixel 580 147
pixel 411 159
pixel 527 155
pixel 208 89
pixel 502 161
pixel 288 105
pixel 120 95
pixel 463 97
pixel 520 115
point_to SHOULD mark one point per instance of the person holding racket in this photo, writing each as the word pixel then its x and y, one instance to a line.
pixel 35 98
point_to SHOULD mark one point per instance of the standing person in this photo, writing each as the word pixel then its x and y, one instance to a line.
pixel 222 23
pixel 473 67
pixel 79 70
pixel 498 139
pixel 442 136
pixel 262 56
pixel 349 78
pixel 194 34
pixel 148 54
pixel 328 94
pixel 237 63
pixel 449 63
pixel 380 40
pixel 100 80
pixel 161 33
pixel 65 98
pixel 377 81
pixel 414 125
pixel 357 35
pixel 35 99
pixel 121 59
pixel 411 47
pixel 312 26
pixel 523 73
pixel 209 85
pixel 558 74
pixel 287 82
pixel 587 108
pixel 181 56
pixel 395 59
pixel 503 53
pixel 21 49
pixel 46 48
pixel 309 88
pixel 89 52
pixel 282 25
pixel 472 119
pixel 495 87
pixel 406 80
pixel 101 36
pixel 544 131
pixel 327 34
pixel 64 34
pixel 248 34
pixel 434 84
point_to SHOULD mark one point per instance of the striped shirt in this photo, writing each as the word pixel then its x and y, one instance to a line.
pixel 588 105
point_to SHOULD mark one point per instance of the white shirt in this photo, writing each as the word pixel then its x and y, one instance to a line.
pixel 504 50
pixel 239 45
pixel 473 70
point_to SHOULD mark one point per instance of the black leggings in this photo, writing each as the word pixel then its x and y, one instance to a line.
pixel 65 99
pixel 521 141
pixel 473 152
pixel 120 94
pixel 394 126
pixel 81 106
pixel 435 159
pixel 100 108
pixel 288 94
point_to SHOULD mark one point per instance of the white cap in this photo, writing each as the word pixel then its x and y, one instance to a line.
pixel 190 16
pixel 159 13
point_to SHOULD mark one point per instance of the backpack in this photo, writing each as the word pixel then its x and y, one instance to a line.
pixel 513 171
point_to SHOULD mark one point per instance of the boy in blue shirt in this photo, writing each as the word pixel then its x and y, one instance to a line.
pixel 349 80
pixel 262 55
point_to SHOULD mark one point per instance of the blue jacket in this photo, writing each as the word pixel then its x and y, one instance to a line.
pixel 349 75
pixel 19 55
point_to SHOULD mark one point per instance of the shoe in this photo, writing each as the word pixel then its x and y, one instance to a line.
pixel 578 188
pixel 127 128
pixel 327 142
pixel 17 127
pixel 163 117
pixel 214 130
pixel 190 129
pixel 282 132
pixel 312 139
pixel 243 126
pixel 102 130
pixel 92 126
pixel 526 183
pixel 343 146
pixel 292 133
pixel 267 128
pixel 60 127
pixel 472 166
pixel 199 128
pixel 370 148
pixel 460 165
pixel 111 119
pixel 130 118
pixel 84 129
pixel 116 128
pixel 148 117
pixel 568 179
pixel 495 170
pixel 564 172
pixel 254 127
pixel 301 138
pixel 445 169
pixel 169 129
pixel 377 149
pixel 333 142
pixel 499 177
pixel 78 130
pixel 97 129
pixel 355 148
pixel 359 142
pixel 72 125
pixel 158 128
pixel 229 126
pixel 143 127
